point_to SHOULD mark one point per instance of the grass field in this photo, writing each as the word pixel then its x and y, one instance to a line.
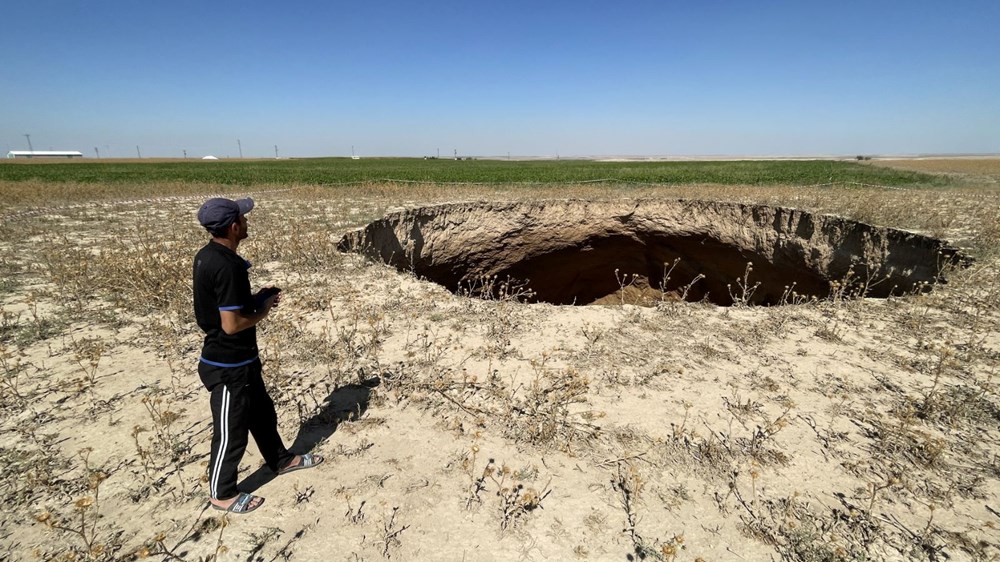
pixel 834 430
pixel 334 171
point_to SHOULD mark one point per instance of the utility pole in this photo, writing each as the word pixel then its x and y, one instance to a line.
pixel 27 136
pixel 97 152
pixel 137 151
pixel 240 147
pixel 184 150
pixel 275 152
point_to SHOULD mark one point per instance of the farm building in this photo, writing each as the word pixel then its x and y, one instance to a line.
pixel 44 154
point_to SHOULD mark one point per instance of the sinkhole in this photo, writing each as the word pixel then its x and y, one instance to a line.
pixel 645 251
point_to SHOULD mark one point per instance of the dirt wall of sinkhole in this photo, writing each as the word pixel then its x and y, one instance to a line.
pixel 583 252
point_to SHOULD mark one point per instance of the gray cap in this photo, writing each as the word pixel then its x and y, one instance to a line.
pixel 220 212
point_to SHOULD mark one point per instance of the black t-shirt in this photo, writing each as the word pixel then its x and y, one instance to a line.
pixel 221 283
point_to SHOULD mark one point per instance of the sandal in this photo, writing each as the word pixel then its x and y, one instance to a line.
pixel 307 460
pixel 241 505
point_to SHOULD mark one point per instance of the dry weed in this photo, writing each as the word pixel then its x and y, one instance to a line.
pixel 895 404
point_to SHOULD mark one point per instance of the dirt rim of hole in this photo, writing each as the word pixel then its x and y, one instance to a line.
pixel 646 251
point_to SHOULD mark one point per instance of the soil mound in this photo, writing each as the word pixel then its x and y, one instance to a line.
pixel 589 252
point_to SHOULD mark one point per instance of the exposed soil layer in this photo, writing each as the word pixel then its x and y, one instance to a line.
pixel 587 252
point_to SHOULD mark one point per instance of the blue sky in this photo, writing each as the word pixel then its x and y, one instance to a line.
pixel 527 78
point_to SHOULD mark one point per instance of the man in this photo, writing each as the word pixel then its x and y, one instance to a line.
pixel 230 368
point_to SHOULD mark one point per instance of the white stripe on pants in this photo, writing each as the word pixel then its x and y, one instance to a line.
pixel 223 445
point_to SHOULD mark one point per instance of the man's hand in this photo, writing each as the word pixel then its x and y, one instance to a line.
pixel 268 297
pixel 275 299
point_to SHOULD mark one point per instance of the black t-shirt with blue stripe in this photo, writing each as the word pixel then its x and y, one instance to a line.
pixel 221 282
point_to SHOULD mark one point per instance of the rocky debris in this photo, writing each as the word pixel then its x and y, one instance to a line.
pixel 584 252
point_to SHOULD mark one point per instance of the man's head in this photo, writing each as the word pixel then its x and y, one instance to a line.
pixel 219 215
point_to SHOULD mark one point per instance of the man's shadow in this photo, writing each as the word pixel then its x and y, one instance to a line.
pixel 347 403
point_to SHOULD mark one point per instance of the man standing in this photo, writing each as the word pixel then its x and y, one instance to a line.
pixel 230 368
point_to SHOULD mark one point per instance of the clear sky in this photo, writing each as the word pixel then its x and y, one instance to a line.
pixel 540 78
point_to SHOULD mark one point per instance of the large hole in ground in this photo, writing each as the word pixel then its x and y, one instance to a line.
pixel 640 252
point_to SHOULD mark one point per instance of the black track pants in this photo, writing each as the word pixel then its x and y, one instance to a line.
pixel 240 406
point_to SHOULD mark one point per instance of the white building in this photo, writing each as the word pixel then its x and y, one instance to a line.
pixel 44 154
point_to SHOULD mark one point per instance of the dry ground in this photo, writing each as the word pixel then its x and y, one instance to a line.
pixel 460 429
pixel 983 169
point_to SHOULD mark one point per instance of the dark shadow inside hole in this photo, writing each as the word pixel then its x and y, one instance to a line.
pixel 642 271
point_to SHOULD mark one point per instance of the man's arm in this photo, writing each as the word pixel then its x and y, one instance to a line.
pixel 235 321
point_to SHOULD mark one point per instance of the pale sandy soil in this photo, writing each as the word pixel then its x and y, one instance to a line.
pixel 461 429
pixel 975 167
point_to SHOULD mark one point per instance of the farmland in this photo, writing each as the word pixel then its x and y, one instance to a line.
pixel 336 171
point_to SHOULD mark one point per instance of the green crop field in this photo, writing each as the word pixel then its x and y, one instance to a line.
pixel 334 171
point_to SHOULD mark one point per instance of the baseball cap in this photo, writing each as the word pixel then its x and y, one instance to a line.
pixel 220 212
